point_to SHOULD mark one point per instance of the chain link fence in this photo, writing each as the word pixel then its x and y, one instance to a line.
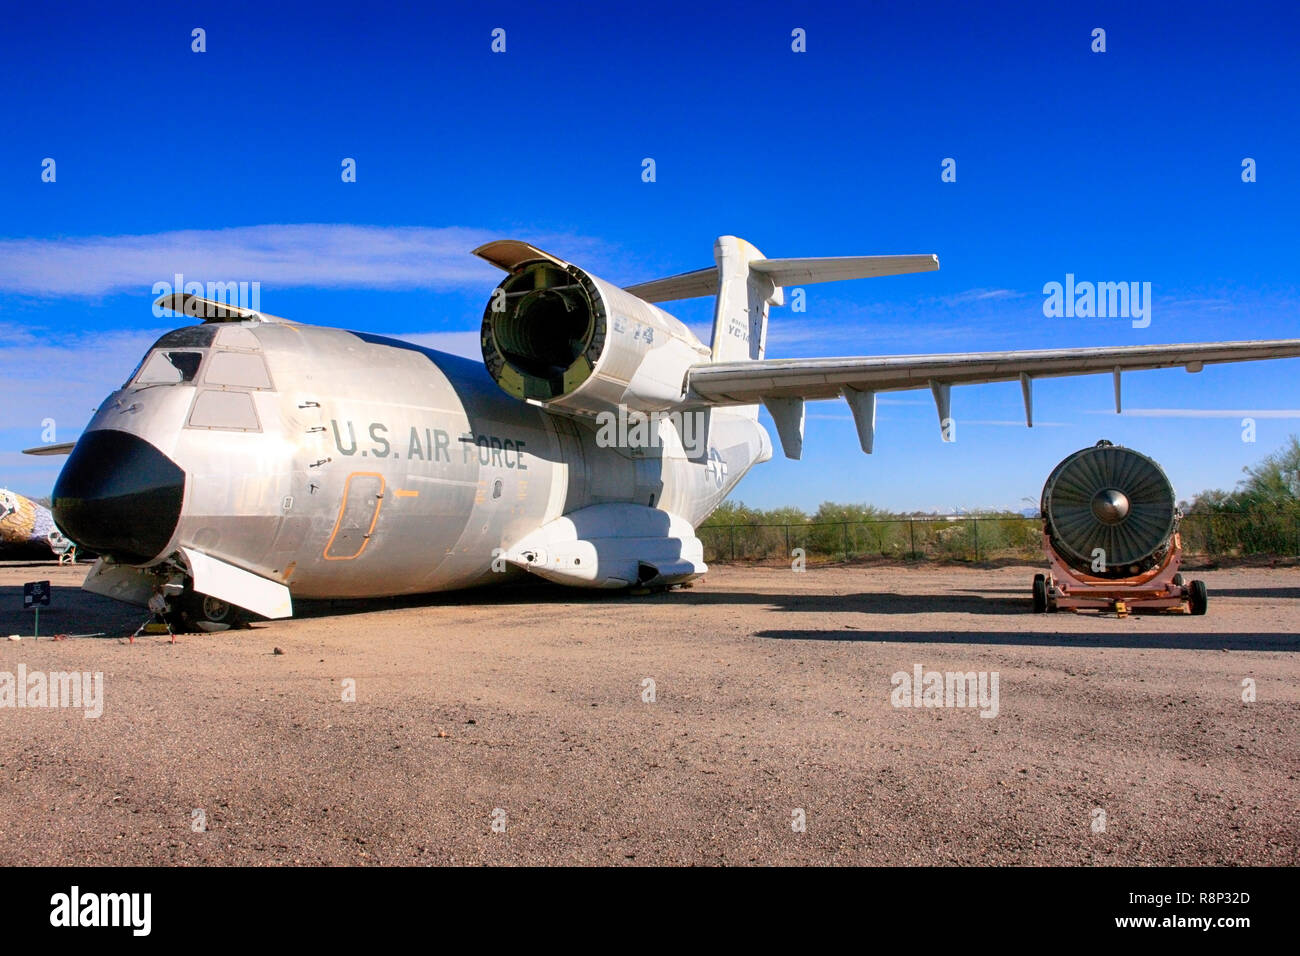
pixel 989 538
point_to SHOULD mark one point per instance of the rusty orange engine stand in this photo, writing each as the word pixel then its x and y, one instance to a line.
pixel 1161 588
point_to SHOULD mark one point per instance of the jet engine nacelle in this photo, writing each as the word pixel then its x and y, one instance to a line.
pixel 559 335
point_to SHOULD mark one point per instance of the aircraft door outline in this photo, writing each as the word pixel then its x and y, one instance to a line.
pixel 357 515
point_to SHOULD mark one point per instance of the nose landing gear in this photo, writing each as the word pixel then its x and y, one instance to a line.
pixel 202 612
pixel 184 609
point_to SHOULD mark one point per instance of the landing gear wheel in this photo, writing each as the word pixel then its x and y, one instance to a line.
pixel 215 611
pixel 202 612
pixel 1040 594
pixel 1178 579
pixel 1198 597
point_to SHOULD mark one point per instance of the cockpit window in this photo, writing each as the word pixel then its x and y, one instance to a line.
pixel 237 369
pixel 169 368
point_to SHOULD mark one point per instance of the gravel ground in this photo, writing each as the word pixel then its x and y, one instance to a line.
pixel 772 695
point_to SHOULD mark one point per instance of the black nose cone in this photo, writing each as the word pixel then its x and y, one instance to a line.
pixel 119 496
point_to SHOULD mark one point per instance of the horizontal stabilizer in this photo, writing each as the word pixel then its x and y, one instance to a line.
pixel 62 448
pixel 785 272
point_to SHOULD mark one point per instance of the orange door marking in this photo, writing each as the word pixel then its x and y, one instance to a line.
pixel 365 540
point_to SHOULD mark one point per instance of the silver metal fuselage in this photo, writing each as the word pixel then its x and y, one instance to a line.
pixel 363 466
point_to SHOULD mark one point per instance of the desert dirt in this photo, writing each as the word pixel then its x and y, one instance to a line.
pixel 528 707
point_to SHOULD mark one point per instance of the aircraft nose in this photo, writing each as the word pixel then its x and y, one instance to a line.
pixel 118 495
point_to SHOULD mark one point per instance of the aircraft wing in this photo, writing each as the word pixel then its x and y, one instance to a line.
pixel 784 384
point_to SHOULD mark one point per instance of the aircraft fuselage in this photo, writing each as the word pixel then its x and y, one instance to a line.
pixel 349 465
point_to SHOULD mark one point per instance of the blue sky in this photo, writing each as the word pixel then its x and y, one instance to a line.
pixel 1115 166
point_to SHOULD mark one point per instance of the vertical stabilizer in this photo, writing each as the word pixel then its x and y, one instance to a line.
pixel 744 295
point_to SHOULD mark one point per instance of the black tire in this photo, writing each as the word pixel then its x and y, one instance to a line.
pixel 1198 597
pixel 1040 594
pixel 1178 579
pixel 201 612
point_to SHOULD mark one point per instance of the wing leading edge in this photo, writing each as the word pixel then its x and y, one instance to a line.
pixel 783 385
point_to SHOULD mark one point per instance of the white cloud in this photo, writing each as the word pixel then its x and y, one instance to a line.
pixel 62 376
pixel 319 255
pixel 973 295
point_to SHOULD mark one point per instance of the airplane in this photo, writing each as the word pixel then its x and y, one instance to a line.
pixel 27 526
pixel 250 460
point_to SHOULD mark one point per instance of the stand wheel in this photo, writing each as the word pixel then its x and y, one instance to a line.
pixel 1198 597
pixel 1040 594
